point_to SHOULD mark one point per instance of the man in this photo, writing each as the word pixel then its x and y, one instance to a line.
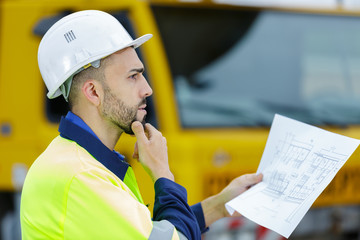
pixel 79 187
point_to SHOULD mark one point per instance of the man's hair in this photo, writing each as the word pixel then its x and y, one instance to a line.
pixel 79 79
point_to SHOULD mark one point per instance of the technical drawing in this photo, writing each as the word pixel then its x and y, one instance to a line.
pixel 298 162
pixel 293 156
pixel 278 184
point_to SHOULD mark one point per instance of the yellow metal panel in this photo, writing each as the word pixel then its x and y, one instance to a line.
pixel 158 68
pixel 344 189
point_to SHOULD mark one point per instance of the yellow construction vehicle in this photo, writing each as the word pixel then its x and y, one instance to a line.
pixel 219 74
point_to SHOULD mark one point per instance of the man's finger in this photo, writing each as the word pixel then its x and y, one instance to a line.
pixel 136 151
pixel 138 130
pixel 150 130
pixel 251 179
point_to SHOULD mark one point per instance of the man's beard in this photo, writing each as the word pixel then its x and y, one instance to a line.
pixel 118 113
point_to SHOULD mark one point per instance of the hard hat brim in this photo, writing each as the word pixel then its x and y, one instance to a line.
pixel 139 41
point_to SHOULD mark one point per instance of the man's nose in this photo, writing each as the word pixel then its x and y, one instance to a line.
pixel 147 90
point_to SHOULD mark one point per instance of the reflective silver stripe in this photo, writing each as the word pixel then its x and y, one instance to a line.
pixel 164 230
pixel 181 236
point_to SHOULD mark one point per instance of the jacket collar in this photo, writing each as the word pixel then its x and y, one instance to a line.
pixel 86 139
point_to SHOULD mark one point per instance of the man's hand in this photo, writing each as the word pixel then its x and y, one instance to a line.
pixel 214 206
pixel 151 151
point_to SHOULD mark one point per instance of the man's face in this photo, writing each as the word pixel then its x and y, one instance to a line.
pixel 125 90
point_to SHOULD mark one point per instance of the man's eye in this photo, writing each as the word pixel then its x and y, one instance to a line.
pixel 133 76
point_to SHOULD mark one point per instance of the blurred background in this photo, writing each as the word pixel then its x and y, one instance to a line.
pixel 220 70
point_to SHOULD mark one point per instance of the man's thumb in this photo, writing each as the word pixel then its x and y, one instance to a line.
pixel 138 130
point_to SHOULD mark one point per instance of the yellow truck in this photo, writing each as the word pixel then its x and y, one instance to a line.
pixel 219 74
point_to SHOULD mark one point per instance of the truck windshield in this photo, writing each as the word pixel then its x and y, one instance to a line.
pixel 238 68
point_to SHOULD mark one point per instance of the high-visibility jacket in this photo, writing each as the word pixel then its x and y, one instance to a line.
pixel 79 189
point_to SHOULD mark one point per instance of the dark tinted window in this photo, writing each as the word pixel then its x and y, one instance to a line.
pixel 239 68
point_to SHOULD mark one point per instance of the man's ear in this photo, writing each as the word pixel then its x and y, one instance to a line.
pixel 92 91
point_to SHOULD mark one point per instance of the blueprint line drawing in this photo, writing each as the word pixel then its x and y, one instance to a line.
pixel 298 162
pixel 292 155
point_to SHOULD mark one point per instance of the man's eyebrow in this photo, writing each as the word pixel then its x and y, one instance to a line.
pixel 138 70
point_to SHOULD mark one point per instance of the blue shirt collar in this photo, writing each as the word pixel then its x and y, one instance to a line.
pixel 74 128
pixel 79 122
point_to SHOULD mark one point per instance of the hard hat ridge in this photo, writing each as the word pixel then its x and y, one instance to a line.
pixel 77 40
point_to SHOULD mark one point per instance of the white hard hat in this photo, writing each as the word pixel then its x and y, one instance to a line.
pixel 75 42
